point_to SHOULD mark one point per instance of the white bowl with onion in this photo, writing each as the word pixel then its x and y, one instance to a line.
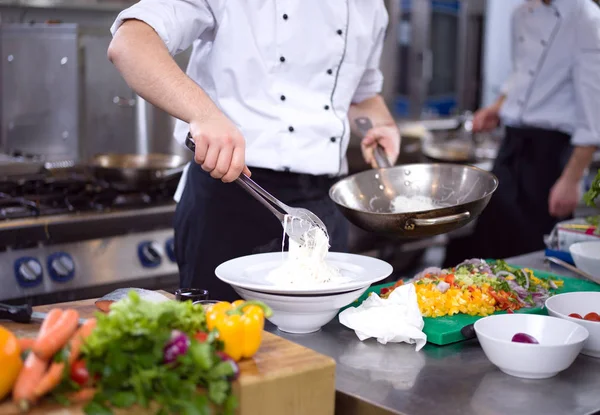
pixel 530 346
pixel 305 313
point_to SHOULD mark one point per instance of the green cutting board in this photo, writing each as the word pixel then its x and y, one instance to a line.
pixel 446 330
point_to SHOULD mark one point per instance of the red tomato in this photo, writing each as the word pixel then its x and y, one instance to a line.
pixel 592 317
pixel 449 278
pixel 79 373
pixel 575 315
pixel 201 336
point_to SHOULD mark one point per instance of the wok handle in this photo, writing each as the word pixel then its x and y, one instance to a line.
pixel 364 124
pixel 442 220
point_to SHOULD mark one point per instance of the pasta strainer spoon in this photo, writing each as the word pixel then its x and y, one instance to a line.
pixel 295 221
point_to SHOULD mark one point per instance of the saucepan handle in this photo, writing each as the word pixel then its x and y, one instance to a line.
pixel 364 124
pixel 444 220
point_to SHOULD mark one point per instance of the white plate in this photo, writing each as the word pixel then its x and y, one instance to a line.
pixel 250 272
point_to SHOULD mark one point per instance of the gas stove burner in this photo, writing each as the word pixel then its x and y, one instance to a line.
pixel 11 207
pixel 43 195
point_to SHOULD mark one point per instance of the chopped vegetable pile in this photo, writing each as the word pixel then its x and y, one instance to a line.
pixel 142 352
pixel 477 288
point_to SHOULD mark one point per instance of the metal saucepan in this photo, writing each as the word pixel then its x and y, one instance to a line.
pixel 366 198
pixel 136 169
pixel 458 145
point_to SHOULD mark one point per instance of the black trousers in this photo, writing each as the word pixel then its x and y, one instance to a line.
pixel 216 222
pixel 529 162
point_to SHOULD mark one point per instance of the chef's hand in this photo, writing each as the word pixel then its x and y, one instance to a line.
pixel 220 148
pixel 388 137
pixel 564 197
pixel 486 119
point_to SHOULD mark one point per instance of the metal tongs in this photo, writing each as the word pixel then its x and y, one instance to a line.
pixel 299 220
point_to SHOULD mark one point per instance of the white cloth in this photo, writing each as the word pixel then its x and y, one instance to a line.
pixel 393 320
pixel 555 82
pixel 273 66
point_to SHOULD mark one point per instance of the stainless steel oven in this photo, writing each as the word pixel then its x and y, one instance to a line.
pixel 438 70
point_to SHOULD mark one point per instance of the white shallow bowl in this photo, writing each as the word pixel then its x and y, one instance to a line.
pixel 560 341
pixel 302 314
pixel 251 272
pixel 562 305
pixel 586 256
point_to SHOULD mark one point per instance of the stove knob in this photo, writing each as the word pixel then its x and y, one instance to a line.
pixel 150 254
pixel 28 272
pixel 61 267
pixel 170 248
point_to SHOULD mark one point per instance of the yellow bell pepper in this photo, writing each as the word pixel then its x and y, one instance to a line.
pixel 10 361
pixel 239 325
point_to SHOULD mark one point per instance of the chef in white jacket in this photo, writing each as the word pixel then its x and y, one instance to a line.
pixel 550 106
pixel 272 89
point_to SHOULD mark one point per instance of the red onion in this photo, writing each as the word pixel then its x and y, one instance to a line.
pixel 524 338
pixel 177 346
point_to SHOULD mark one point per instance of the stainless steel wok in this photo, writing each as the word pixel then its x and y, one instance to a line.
pixel 365 198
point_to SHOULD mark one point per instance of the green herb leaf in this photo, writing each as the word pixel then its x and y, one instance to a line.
pixel 94 408
pixel 594 192
pixel 217 391
pixel 221 370
pixel 123 399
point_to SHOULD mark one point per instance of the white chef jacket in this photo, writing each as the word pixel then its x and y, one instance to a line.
pixel 555 82
pixel 285 72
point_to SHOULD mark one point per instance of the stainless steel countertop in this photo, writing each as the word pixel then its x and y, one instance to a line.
pixel 451 380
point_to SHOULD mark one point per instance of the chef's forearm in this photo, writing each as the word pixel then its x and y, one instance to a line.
pixel 373 108
pixel 146 65
pixel 578 163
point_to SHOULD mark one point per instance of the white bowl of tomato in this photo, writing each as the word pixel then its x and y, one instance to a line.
pixel 582 308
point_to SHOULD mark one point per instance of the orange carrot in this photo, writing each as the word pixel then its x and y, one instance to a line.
pixel 54 338
pixel 26 343
pixel 50 320
pixel 82 395
pixel 29 377
pixel 78 338
pixel 50 380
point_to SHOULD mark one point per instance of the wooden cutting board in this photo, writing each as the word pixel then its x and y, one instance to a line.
pixel 282 378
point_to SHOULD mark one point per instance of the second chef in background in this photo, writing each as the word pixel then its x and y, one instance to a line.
pixel 270 85
pixel 551 108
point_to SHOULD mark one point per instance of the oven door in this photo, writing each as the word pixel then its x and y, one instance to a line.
pixel 440 54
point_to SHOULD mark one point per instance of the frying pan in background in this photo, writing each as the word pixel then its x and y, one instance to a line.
pixel 136 170
pixel 365 198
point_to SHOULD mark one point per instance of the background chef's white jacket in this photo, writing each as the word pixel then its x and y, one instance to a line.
pixel 555 82
pixel 285 72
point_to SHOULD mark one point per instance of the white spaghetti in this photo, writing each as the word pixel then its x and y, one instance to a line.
pixel 403 204
pixel 305 264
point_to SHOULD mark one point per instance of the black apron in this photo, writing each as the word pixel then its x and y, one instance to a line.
pixel 216 222
pixel 529 162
